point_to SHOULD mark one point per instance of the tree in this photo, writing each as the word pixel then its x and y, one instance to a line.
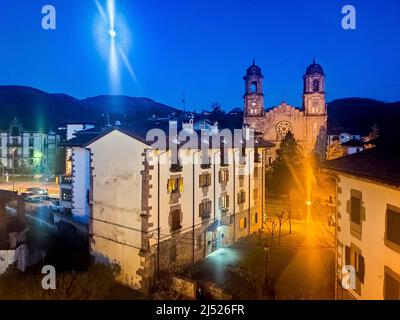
pixel 92 284
pixel 217 113
pixel 335 151
pixel 287 170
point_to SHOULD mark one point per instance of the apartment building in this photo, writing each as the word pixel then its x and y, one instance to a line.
pixel 23 151
pixel 75 184
pixel 368 222
pixel 150 213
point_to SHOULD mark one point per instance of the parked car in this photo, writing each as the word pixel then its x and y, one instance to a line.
pixel 56 207
pixel 32 199
pixel 37 191
pixel 36 198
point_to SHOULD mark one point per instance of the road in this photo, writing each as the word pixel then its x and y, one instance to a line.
pixel 310 273
pixel 21 186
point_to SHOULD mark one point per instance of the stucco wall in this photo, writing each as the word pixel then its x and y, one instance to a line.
pixel 116 226
pixel 375 198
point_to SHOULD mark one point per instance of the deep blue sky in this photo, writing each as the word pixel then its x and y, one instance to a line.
pixel 203 47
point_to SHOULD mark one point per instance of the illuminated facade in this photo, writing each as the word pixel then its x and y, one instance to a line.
pixel 151 216
pixel 368 223
pixel 307 124
pixel 25 151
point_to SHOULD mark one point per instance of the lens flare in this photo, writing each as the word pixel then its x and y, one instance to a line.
pixel 113 47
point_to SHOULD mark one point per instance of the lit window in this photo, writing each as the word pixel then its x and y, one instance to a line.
pixel 175 185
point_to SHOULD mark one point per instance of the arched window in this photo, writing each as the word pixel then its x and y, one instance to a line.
pixel 316 85
pixel 253 87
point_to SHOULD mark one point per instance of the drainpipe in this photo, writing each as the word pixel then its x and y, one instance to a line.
pixel 249 210
pixel 218 151
pixel 263 187
pixel 336 238
pixel 234 195
pixel 158 213
pixel 194 203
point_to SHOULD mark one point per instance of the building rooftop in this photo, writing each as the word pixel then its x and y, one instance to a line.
pixel 353 143
pixel 381 163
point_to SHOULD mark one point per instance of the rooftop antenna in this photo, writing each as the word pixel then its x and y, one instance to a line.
pixel 254 61
pixel 184 101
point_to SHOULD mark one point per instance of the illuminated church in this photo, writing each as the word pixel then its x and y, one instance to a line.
pixel 308 124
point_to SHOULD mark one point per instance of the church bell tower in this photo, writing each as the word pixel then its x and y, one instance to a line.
pixel 314 91
pixel 253 97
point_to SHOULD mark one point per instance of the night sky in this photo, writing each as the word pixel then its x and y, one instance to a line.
pixel 203 47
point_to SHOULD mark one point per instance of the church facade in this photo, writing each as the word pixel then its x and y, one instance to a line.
pixel 308 124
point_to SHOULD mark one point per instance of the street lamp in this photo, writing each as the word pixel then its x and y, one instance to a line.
pixel 13 166
pixel 266 249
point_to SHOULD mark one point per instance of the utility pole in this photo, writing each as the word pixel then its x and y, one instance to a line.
pixel 13 166
pixel 266 249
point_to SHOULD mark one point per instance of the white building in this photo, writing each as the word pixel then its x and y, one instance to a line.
pixel 149 215
pixel 368 222
pixel 22 150
pixel 74 185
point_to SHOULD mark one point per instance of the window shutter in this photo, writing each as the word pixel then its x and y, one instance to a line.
pixel 200 181
pixel 201 209
pixel 361 268
pixel 181 184
pixel 220 176
pixel 209 179
pixel 227 175
pixel 169 186
pixel 227 201
pixel 347 255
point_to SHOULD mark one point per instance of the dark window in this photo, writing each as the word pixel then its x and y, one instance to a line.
pixel 205 209
pixel 355 204
pixel 199 241
pixel 241 197
pixel 392 288
pixel 66 195
pixel 393 226
pixel 172 253
pixel 316 85
pixel 30 142
pixel 176 220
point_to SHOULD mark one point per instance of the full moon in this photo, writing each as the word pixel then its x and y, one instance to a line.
pixel 112 33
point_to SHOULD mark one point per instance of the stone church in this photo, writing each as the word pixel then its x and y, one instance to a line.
pixel 308 124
